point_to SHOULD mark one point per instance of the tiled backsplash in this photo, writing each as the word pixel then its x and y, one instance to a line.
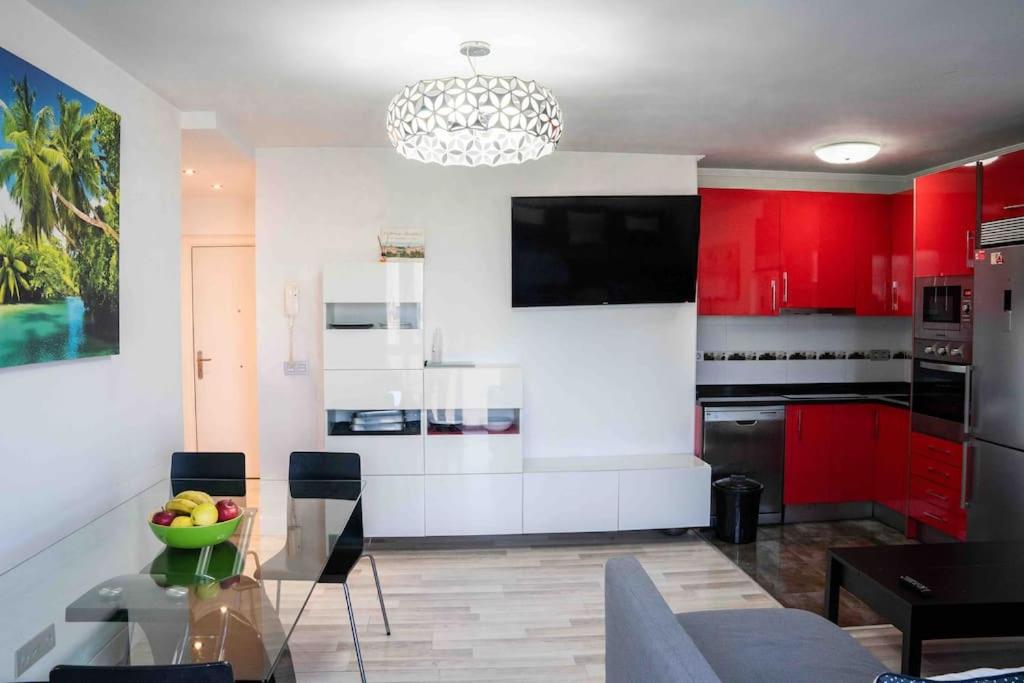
pixel 802 348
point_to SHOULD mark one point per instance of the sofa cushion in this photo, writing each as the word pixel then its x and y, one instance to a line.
pixel 778 645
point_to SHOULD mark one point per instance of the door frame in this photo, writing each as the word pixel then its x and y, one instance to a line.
pixel 188 376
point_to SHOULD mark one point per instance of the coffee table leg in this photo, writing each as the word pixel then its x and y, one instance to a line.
pixel 911 654
pixel 833 583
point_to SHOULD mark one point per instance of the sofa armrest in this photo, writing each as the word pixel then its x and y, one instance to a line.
pixel 644 642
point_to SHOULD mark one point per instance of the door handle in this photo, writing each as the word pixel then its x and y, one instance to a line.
pixel 785 287
pixel 895 297
pixel 800 425
pixel 1011 207
pixel 934 516
pixel 876 425
pixel 774 300
pixel 199 363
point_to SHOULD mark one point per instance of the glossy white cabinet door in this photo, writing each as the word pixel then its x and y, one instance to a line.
pixel 373 282
pixel 393 506
pixel 558 502
pixel 474 504
pixel 473 453
pixel 382 454
pixel 473 388
pixel 664 499
pixel 373 389
pixel 373 349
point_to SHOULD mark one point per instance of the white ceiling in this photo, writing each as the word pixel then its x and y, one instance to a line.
pixel 749 83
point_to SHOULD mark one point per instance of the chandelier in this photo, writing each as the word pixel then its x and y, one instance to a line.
pixel 477 120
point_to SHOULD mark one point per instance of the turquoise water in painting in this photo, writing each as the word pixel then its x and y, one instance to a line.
pixel 37 333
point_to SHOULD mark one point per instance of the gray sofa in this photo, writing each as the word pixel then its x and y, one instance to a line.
pixel 646 643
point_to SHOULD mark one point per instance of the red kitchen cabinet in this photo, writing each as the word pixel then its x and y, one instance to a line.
pixel 809 438
pixel 892 459
pixel 817 267
pixel 945 218
pixel 738 262
pixel 866 224
pixel 901 228
pixel 1002 188
pixel 854 440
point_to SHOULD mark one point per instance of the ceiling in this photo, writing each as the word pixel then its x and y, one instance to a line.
pixel 216 160
pixel 749 83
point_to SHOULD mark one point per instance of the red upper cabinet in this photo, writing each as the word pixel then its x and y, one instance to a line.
pixel 901 228
pixel 817 268
pixel 872 241
pixel 738 264
pixel 945 216
pixel 1002 188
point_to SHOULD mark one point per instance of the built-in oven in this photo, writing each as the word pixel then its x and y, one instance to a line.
pixel 944 308
pixel 940 399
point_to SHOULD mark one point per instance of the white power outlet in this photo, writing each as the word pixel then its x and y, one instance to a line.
pixel 296 367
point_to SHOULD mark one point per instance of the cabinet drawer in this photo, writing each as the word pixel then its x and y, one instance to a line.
pixel 936 471
pixel 373 389
pixel 939 449
pixel 952 523
pixel 373 349
pixel 942 497
pixel 473 454
pixel 382 454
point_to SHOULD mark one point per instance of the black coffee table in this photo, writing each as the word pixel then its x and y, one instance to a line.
pixel 977 590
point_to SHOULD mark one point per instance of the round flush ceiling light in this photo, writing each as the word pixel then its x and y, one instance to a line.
pixel 847 152
pixel 475 120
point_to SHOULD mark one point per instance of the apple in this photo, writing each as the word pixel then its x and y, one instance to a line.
pixel 227 510
pixel 204 514
pixel 163 518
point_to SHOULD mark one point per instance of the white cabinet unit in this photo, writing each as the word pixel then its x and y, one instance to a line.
pixel 558 502
pixel 373 389
pixel 664 499
pixel 382 454
pixel 393 506
pixel 474 504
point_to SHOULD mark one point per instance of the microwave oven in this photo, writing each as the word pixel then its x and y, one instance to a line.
pixel 944 308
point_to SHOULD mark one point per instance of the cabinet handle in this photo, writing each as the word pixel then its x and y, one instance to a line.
pixel 785 287
pixel 936 449
pixel 1011 207
pixel 934 516
pixel 876 425
pixel 895 297
pixel 939 496
pixel 935 471
pixel 774 302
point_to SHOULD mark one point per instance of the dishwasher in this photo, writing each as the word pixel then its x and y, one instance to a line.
pixel 751 441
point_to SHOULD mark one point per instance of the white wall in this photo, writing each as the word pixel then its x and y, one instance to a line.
pixel 597 380
pixel 78 437
pixel 216 214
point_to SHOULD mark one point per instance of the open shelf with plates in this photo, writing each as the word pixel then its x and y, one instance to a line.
pixel 349 422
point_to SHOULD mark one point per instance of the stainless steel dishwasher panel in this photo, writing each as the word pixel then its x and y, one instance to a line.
pixel 748 440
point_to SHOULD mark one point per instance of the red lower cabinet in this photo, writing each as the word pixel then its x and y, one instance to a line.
pixel 892 459
pixel 936 485
pixel 854 442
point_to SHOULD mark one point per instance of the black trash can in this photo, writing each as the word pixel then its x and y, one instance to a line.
pixel 737 500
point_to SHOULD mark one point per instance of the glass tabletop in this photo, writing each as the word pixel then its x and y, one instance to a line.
pixel 112 593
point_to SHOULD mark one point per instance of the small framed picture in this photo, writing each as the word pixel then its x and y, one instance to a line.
pixel 401 245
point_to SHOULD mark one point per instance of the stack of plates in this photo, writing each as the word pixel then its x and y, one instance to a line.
pixel 378 421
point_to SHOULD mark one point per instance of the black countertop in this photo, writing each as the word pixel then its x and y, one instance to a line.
pixel 720 395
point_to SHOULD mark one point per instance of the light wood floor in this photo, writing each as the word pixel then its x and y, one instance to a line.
pixel 533 613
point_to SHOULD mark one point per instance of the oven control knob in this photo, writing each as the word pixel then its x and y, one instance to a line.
pixel 957 351
pixel 941 351
pixel 929 349
pixel 965 307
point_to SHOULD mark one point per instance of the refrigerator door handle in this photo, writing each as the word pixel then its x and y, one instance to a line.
pixel 968 399
pixel 965 474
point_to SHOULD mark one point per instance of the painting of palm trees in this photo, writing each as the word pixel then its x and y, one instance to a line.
pixel 60 158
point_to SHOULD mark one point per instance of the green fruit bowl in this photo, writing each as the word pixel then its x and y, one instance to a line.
pixel 191 537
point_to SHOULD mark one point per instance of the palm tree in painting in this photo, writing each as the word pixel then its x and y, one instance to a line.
pixel 30 160
pixel 76 176
pixel 13 264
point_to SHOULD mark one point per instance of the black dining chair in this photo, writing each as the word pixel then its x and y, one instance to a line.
pixel 191 469
pixel 217 672
pixel 351 545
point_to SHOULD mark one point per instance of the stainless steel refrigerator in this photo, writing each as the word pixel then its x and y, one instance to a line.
pixel 994 462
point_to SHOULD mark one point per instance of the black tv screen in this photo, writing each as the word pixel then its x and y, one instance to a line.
pixel 583 251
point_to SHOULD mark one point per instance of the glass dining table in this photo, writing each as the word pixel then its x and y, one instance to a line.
pixel 110 593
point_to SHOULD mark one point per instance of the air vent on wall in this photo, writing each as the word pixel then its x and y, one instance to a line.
pixel 999 233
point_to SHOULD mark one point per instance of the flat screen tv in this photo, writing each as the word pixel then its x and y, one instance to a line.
pixel 593 251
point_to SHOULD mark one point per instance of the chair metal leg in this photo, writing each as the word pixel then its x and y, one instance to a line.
pixel 380 595
pixel 355 633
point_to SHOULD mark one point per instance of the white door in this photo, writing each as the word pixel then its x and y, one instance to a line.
pixel 224 351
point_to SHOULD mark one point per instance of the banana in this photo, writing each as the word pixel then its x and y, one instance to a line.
pixel 194 496
pixel 180 505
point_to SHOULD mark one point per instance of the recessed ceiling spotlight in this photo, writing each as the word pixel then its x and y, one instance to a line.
pixel 188 171
pixel 847 152
pixel 983 162
pixel 217 186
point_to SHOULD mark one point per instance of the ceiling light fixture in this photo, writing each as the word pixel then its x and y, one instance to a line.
pixel 847 152
pixel 188 171
pixel 983 162
pixel 474 120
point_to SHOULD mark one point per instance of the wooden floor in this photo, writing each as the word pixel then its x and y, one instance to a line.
pixel 518 612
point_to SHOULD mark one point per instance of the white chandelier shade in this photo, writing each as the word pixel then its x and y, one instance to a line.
pixel 474 121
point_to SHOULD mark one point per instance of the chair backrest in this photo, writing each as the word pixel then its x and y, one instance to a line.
pixel 318 465
pixel 197 465
pixel 218 672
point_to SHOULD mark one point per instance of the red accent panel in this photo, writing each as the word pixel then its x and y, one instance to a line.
pixel 739 252
pixel 945 216
pixel 1003 186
